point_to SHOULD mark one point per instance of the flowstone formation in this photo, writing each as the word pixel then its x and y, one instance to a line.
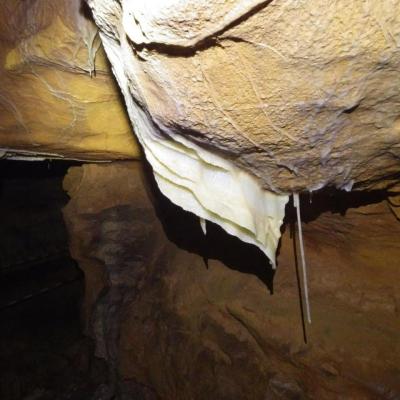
pixel 240 103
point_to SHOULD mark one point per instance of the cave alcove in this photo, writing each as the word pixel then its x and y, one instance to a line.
pixel 43 352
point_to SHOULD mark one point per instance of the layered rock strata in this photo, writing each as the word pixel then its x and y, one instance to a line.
pixel 58 98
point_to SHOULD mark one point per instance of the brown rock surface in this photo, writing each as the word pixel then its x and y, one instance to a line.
pixel 180 315
pixel 299 93
pixel 57 94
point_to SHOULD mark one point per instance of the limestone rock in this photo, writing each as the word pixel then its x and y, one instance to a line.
pixel 57 94
pixel 185 315
pixel 301 94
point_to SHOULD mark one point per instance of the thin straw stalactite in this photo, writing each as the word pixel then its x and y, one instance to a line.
pixel 296 203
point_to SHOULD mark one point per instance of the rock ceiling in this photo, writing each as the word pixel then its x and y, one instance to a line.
pixel 237 104
pixel 57 95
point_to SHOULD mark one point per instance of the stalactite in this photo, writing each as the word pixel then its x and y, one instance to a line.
pixel 296 203
pixel 203 225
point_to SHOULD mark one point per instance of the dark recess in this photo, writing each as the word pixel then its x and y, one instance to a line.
pixel 43 353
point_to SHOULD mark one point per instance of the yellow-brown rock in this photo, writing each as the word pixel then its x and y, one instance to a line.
pixel 57 94
pixel 188 316
pixel 300 93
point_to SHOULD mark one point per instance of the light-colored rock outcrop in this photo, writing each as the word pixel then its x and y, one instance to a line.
pixel 240 103
pixel 57 94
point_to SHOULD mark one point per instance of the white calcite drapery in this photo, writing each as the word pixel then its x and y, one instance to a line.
pixel 240 103
pixel 197 179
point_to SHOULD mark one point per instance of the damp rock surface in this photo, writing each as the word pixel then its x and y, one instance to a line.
pixel 300 94
pixel 181 315
pixel 238 104
pixel 57 94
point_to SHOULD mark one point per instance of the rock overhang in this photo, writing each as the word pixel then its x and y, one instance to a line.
pixel 283 97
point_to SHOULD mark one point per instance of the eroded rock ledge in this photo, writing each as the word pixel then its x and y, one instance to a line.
pixel 58 98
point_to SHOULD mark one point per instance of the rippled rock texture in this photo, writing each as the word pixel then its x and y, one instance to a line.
pixel 57 94
pixel 180 315
pixel 301 94
pixel 240 103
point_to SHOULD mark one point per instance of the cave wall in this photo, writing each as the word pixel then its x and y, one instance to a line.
pixel 57 94
pixel 307 100
pixel 181 315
